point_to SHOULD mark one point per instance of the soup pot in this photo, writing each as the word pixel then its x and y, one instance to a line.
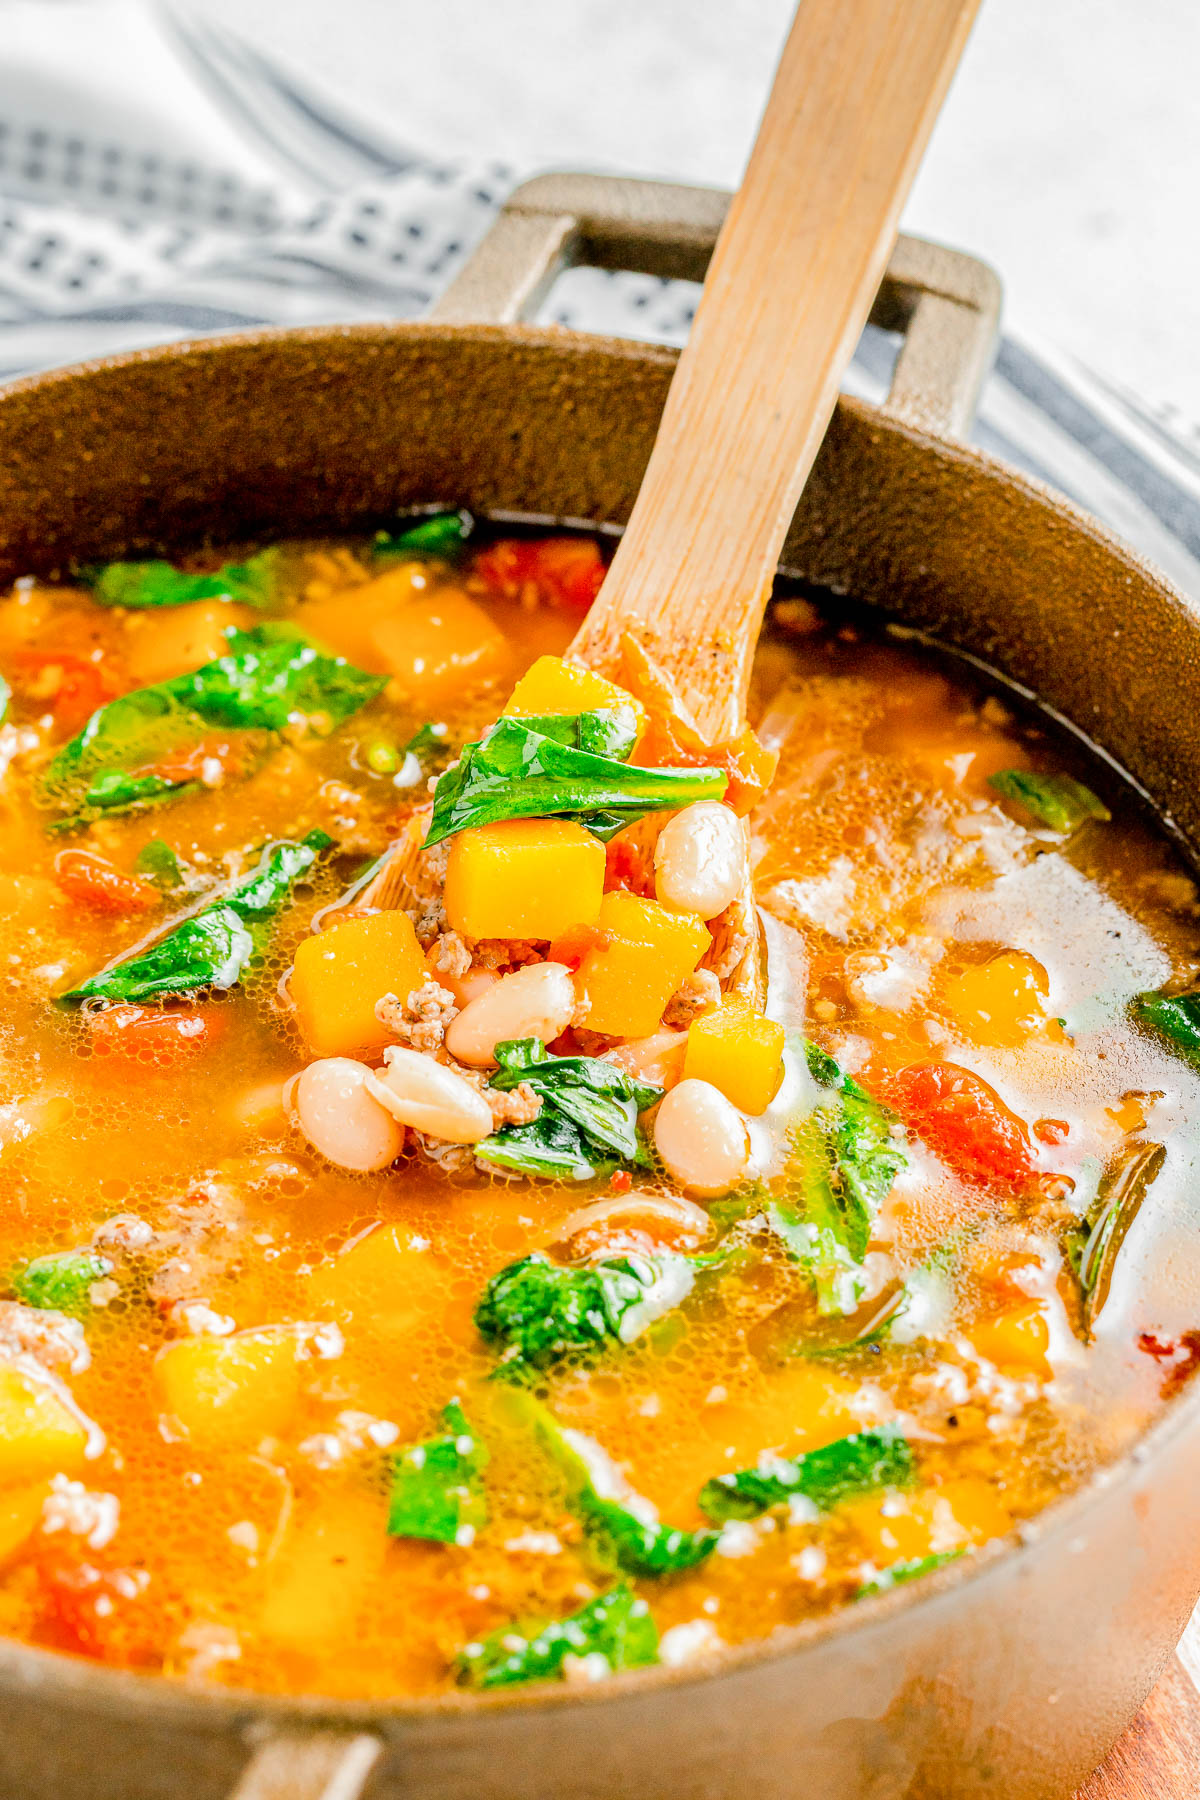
pixel 1005 1675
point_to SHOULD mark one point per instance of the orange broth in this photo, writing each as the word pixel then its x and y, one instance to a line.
pixel 915 917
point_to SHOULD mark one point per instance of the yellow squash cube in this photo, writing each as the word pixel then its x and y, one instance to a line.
pixel 339 974
pixel 524 878
pixel 651 951
pixel 20 1516
pixel 345 620
pixel 324 1571
pixel 230 1392
pixel 39 1435
pixel 553 685
pixel 1017 1339
pixel 383 1283
pixel 738 1051
pixel 999 1003
pixel 438 645
pixel 181 638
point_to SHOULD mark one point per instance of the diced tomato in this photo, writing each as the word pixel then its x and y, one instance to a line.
pixel 89 879
pixel 566 572
pixel 671 740
pixel 574 944
pixel 1180 1357
pixel 154 1035
pixel 964 1121
pixel 627 866
pixel 97 1610
pixel 206 761
pixel 74 686
pixel 621 1182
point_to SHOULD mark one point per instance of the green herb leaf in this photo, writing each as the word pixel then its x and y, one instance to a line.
pixel 442 535
pixel 537 1311
pixel 214 945
pixel 617 1626
pixel 1175 1017
pixel 1058 801
pixel 911 1568
pixel 861 1464
pixel 549 1148
pixel 843 1160
pixel 156 583
pixel 600 1100
pixel 5 697
pixel 159 863
pixel 437 1489
pixel 518 773
pixel 61 1281
pixel 1093 1245
pixel 269 676
pixel 621 1531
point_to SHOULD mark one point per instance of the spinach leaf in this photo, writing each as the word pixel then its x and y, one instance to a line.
pixel 1058 801
pixel 156 583
pixel 214 945
pixel 620 1532
pixel 444 534
pixel 537 1311
pixel 598 1099
pixel 1175 1017
pixel 910 1568
pixel 437 1490
pixel 269 676
pixel 113 791
pixel 842 1162
pixel 60 1281
pixel 549 1148
pixel 518 773
pixel 609 731
pixel 617 1626
pixel 860 1464
pixel 5 697
pixel 159 863
pixel 1094 1243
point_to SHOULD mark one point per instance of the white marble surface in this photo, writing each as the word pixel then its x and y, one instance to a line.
pixel 1068 153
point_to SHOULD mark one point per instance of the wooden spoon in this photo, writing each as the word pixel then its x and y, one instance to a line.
pixel 789 288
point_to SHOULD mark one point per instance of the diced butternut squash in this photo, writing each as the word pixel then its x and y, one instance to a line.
pixel 230 1392
pixel 339 974
pixel 649 953
pixel 929 1522
pixel 20 1515
pixel 739 1051
pixel 39 1435
pixel 1017 1339
pixel 524 878
pixel 323 1573
pixel 163 644
pixel 345 620
pixel 383 1284
pixel 554 685
pixel 998 1004
pixel 439 645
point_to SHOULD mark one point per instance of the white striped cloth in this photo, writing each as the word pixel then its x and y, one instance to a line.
pixel 160 178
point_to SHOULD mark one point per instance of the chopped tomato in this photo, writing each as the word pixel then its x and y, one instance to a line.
pixel 672 740
pixel 621 1182
pixel 206 761
pixel 99 1610
pixel 1180 1357
pixel 627 866
pixel 574 944
pixel 964 1121
pixel 89 879
pixel 563 572
pixel 154 1035
pixel 71 686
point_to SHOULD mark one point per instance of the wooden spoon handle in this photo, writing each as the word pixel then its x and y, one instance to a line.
pixel 789 288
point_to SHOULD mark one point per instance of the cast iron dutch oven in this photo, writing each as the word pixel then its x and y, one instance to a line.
pixel 1008 1675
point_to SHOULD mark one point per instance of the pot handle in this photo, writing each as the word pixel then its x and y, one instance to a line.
pixel 309 1765
pixel 946 304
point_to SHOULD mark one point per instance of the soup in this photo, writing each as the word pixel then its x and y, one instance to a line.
pixel 440 1244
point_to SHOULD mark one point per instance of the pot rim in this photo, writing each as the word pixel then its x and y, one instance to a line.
pixel 89 1685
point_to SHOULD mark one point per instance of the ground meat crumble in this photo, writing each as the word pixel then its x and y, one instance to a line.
pixel 421 1019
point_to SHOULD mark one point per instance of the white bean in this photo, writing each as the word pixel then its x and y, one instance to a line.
pixel 701 1138
pixel 430 1097
pixel 534 1002
pixel 700 859
pixel 333 1107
